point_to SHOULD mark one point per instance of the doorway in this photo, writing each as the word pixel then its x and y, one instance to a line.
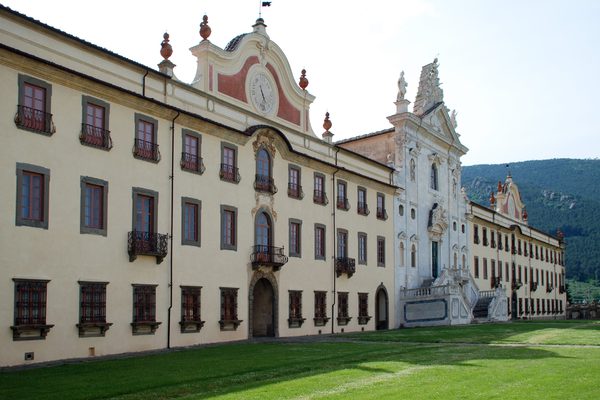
pixel 263 305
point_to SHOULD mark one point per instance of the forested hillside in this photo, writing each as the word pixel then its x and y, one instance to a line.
pixel 559 194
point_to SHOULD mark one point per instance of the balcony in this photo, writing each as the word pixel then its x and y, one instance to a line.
pixel 95 137
pixel 343 203
pixel 533 286
pixel 549 288
pixel 229 173
pixel 264 183
pixel 319 197
pixel 34 120
pixel 362 208
pixel 269 256
pixel 146 150
pixel 191 162
pixel 147 244
pixel 345 265
pixel 381 213
pixel 295 191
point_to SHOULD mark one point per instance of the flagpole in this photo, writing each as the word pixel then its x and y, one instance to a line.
pixel 259 8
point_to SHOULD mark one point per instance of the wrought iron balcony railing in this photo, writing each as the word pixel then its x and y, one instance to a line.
pixel 34 120
pixel 381 213
pixel 319 197
pixel 362 208
pixel 345 265
pixel 264 183
pixel 343 203
pixel 96 137
pixel 229 173
pixel 147 244
pixel 146 150
pixel 295 191
pixel 191 162
pixel 269 256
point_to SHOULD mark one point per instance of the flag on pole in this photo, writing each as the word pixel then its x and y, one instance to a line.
pixel 266 4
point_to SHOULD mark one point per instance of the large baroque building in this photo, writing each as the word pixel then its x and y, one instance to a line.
pixel 509 253
pixel 141 212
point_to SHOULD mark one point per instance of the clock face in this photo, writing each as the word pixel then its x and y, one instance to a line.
pixel 262 93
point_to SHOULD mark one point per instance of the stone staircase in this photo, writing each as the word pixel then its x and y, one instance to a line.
pixel 481 308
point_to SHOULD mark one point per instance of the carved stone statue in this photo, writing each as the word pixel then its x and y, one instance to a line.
pixel 401 87
pixel 453 119
pixel 412 169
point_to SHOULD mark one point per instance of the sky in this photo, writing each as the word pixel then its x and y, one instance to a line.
pixel 523 75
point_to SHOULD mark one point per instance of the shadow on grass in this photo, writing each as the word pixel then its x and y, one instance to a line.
pixel 229 369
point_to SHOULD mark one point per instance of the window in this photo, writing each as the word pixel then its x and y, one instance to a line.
pixel 435 259
pixel 519 247
pixel 401 254
pixel 144 309
pixel 190 152
pixel 454 226
pixel 361 206
pixel 506 245
pixel 342 310
pixel 362 248
pixel 485 269
pixel 94 125
pixel 413 256
pixel 191 320
pixel 295 319
pixel 476 267
pixel 462 228
pixel 401 210
pixel 294 186
pixel 295 238
pixel 228 228
pixel 229 319
pixel 92 309
pixel 380 251
pixel 190 221
pixel 319 196
pixel 320 308
pixel 94 195
pixel 144 210
pixel 30 308
pixel 493 239
pixel 33 110
pixel 484 232
pixel 381 212
pixel 413 213
pixel 363 308
pixel 475 234
pixel 434 177
pixel 500 247
pixel 32 195
pixel 342 243
pixel 319 242
pixel 342 200
pixel 146 147
pixel 229 171
pixel 263 179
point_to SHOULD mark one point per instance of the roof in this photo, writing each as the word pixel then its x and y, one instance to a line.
pixel 235 42
pixel 79 40
pixel 381 132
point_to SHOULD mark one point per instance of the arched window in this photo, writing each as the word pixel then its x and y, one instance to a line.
pixel 263 171
pixel 455 260
pixel 401 254
pixel 434 177
pixel 464 261
pixel 413 256
pixel 262 231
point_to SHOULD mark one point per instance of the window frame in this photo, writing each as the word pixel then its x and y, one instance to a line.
pixel 434 178
pixel 224 210
pixel 342 203
pixel 363 308
pixel 45 202
pixel 232 176
pixel 107 140
pixel 199 170
pixel 342 232
pixel 83 228
pixel 322 244
pixel 194 323
pixel 319 197
pixel 295 193
pixel 320 308
pixel 198 204
pixel 295 319
pixel 362 240
pixel 380 251
pixel 92 327
pixel 138 118
pixel 295 248
pixel 228 324
pixel 381 211
pixel 362 207
pixel 24 80
pixel 135 192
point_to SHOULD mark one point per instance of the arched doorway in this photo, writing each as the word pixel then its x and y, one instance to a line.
pixel 381 308
pixel 263 309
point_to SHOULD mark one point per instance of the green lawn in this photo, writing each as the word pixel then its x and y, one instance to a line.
pixel 526 360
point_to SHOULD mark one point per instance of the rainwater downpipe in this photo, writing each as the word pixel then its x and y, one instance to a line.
pixel 172 178
pixel 334 236
pixel 144 84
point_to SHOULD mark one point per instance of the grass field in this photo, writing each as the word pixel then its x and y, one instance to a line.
pixel 524 360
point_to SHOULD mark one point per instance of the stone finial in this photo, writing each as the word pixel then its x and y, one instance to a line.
pixel 165 47
pixel 492 199
pixel 327 135
pixel 499 187
pixel 560 234
pixel 303 81
pixel 524 214
pixel 204 28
